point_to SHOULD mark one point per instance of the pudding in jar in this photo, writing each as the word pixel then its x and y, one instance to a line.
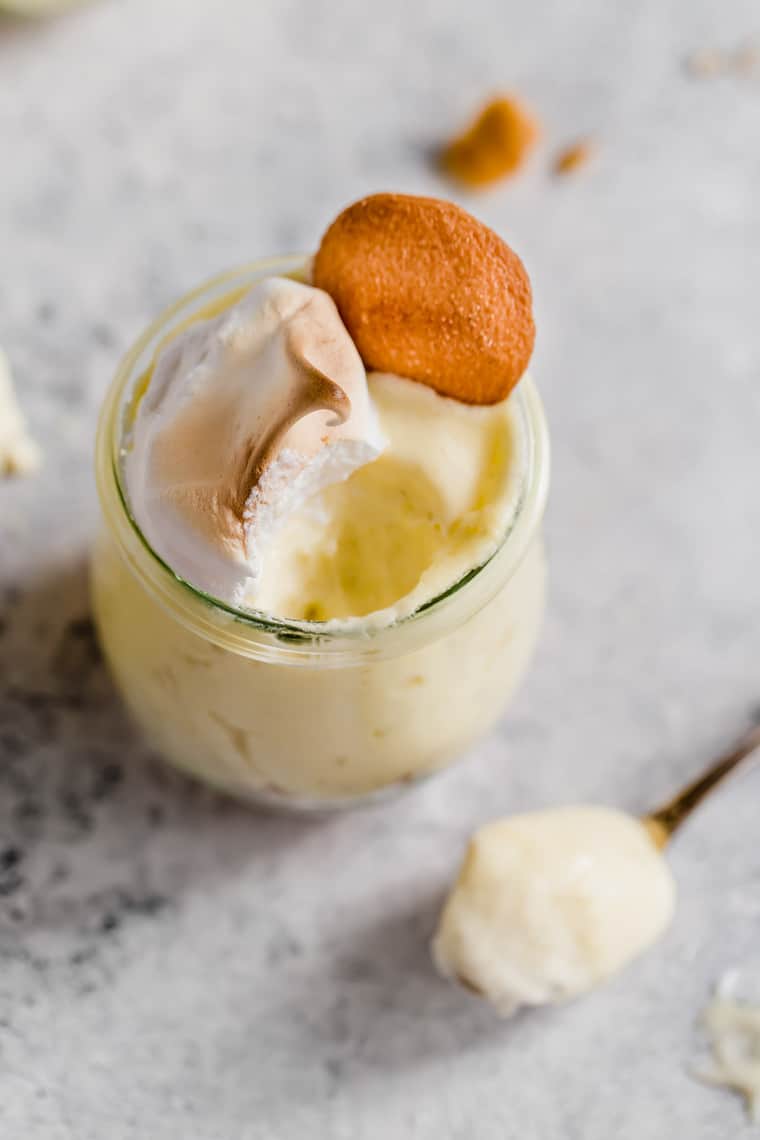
pixel 320 573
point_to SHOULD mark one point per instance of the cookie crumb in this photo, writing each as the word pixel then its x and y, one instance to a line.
pixel 573 157
pixel 494 146
pixel 709 63
pixel 746 60
pixel 706 63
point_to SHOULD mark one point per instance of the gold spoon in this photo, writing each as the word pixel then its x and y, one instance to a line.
pixel 662 822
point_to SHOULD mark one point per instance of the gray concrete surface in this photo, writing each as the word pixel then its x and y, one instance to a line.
pixel 174 966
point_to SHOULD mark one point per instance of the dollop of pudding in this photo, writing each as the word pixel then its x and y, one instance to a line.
pixel 403 529
pixel 246 415
pixel 549 904
pixel 19 454
pixel 734 1029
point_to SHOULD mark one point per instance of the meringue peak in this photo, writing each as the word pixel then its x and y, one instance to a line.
pixel 246 415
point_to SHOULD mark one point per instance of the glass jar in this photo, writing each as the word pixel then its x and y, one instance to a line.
pixel 286 712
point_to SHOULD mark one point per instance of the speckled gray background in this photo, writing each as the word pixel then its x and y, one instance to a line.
pixel 176 967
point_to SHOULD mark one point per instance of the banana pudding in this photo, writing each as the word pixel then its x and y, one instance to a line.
pixel 320 573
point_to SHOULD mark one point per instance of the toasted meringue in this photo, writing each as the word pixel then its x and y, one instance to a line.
pixel 245 416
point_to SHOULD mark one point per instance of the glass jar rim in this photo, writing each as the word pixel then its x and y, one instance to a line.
pixel 256 634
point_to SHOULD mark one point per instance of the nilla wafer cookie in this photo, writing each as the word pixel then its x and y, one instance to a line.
pixel 430 293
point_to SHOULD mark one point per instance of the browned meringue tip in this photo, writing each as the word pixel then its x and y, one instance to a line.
pixel 430 293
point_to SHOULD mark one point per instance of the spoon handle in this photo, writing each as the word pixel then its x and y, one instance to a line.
pixel 662 822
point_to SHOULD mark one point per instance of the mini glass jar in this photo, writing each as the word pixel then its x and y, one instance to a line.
pixel 286 712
